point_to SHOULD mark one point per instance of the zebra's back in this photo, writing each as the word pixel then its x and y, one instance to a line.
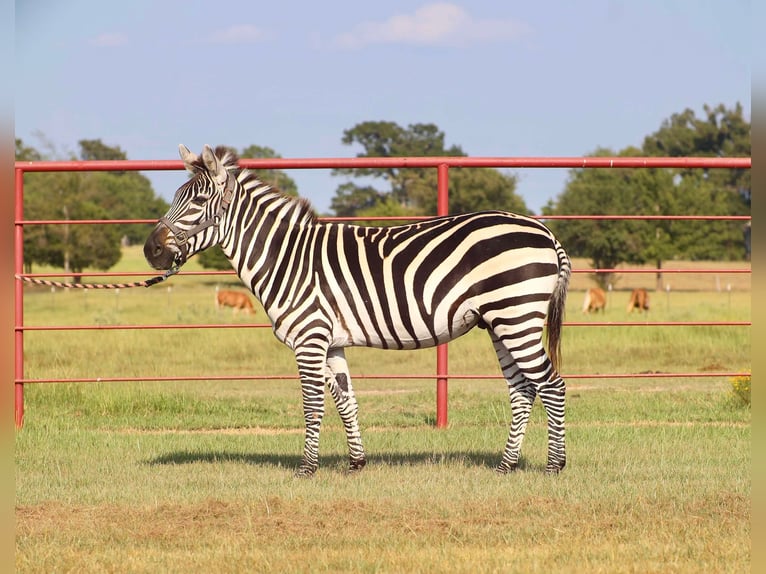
pixel 423 284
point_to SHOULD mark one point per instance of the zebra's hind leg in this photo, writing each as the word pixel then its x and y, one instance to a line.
pixel 553 396
pixel 339 383
pixel 522 395
pixel 536 376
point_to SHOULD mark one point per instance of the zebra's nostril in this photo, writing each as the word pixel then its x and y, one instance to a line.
pixel 157 250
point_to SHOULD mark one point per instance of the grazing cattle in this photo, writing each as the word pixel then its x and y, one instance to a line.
pixel 595 300
pixel 639 299
pixel 237 300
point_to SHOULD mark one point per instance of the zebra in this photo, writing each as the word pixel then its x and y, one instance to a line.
pixel 326 286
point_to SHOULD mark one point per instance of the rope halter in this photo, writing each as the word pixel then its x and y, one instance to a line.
pixel 64 285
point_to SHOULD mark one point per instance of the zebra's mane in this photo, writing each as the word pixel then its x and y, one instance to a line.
pixel 253 184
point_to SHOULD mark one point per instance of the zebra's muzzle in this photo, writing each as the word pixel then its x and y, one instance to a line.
pixel 163 250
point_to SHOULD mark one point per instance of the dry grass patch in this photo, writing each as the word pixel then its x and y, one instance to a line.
pixel 514 534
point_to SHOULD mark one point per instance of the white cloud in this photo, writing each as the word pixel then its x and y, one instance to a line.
pixel 109 40
pixel 239 34
pixel 437 24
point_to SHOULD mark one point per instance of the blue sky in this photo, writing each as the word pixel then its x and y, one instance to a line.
pixel 556 78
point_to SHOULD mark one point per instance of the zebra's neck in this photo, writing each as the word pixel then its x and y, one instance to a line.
pixel 267 235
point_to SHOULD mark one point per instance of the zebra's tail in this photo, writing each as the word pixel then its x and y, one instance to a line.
pixel 556 307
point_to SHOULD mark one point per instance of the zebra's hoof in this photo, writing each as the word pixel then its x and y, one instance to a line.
pixel 306 471
pixel 356 465
pixel 505 468
pixel 556 468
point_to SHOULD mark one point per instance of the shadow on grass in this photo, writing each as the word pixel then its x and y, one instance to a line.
pixel 466 458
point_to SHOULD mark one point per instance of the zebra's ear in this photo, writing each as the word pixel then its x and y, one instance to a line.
pixel 188 158
pixel 213 165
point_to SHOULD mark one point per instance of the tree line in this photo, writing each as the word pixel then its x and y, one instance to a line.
pixel 71 196
pixel 721 132
pixel 376 192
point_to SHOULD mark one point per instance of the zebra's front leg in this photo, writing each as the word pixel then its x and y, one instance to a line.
pixel 339 383
pixel 553 396
pixel 311 368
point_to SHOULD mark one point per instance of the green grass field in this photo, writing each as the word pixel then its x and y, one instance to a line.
pixel 173 476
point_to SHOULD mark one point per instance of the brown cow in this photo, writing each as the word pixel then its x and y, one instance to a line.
pixel 237 300
pixel 639 299
pixel 595 300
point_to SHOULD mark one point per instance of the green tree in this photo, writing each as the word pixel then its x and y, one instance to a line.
pixel 351 199
pixel 87 196
pixel 412 188
pixel 661 192
pixel 96 246
pixel 653 193
pixel 35 241
pixel 388 139
pixel 721 132
pixel 598 192
pixel 26 153
pixel 473 189
pixel 42 244
pixel 96 150
pixel 274 177
pixel 123 194
pixel 72 247
pixel 388 207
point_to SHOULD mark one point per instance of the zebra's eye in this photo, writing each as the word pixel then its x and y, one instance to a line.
pixel 199 200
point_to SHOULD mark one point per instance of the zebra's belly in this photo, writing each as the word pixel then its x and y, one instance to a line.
pixel 410 336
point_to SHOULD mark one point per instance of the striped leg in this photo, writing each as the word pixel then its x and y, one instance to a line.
pixel 339 383
pixel 532 364
pixel 553 396
pixel 522 395
pixel 311 357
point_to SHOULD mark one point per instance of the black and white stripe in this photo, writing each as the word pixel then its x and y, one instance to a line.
pixel 327 286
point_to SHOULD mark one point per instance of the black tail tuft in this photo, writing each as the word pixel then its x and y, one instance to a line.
pixel 556 307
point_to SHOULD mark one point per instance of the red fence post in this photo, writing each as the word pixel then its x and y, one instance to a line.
pixel 18 267
pixel 442 208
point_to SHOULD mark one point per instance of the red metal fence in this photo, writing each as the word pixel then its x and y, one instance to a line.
pixel 441 164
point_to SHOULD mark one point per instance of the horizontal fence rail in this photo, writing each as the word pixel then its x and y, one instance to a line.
pixel 722 271
pixel 402 162
pixel 268 325
pixel 442 165
pixel 423 377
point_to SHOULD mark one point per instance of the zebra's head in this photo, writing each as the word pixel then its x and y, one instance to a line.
pixel 192 224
